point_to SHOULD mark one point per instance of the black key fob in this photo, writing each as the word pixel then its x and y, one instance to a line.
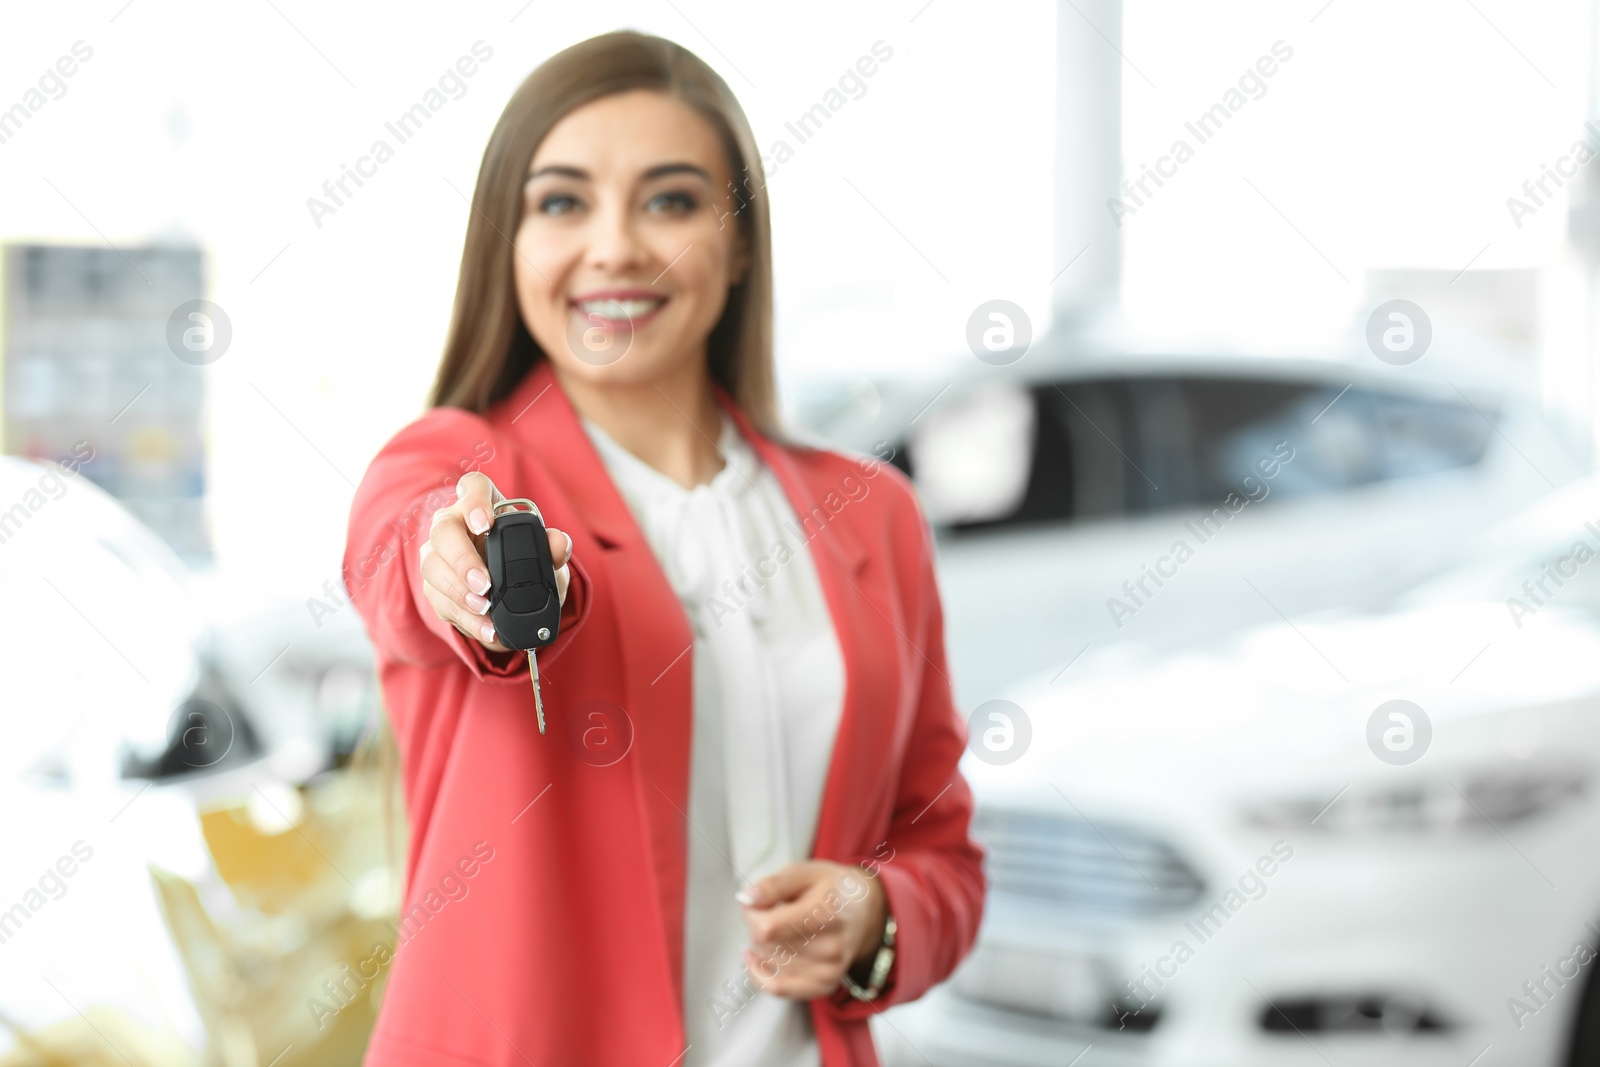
pixel 524 605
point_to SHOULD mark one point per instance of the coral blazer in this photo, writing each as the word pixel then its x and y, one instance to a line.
pixel 543 912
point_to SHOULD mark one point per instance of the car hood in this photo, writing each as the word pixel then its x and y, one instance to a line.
pixel 1283 707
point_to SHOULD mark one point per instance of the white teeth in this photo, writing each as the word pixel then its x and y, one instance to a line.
pixel 619 309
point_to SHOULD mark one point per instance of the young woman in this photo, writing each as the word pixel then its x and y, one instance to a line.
pixel 743 831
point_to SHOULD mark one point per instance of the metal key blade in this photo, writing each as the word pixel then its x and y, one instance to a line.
pixel 538 704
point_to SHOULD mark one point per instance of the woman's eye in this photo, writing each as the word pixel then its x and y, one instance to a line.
pixel 678 203
pixel 557 204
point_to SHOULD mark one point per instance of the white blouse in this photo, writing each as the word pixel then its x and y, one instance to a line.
pixel 768 689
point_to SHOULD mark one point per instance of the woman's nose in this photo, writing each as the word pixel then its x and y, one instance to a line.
pixel 614 241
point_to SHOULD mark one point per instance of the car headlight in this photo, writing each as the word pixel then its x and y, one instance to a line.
pixel 1484 800
pixel 1040 981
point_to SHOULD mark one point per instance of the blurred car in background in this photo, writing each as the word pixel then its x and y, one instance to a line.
pixel 103 652
pixel 1235 853
pixel 182 880
pixel 300 660
pixel 1060 487
pixel 109 650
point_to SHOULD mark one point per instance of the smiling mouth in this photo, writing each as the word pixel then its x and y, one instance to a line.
pixel 619 312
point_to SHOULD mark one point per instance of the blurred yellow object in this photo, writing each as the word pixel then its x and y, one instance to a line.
pixel 290 972
pixel 100 1037
pixel 266 999
pixel 276 873
pixel 294 975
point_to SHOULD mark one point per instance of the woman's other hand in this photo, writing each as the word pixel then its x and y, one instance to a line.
pixel 454 575
pixel 810 923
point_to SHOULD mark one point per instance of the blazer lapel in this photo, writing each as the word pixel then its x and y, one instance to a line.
pixel 543 417
pixel 652 632
pixel 863 614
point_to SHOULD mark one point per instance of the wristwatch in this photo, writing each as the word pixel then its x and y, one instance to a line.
pixel 880 967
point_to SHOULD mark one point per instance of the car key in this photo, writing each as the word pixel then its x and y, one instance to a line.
pixel 524 603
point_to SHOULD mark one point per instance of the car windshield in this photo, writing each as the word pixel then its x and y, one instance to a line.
pixel 1120 445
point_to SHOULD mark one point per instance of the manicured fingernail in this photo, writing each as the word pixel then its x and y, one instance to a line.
pixel 478 521
pixel 488 632
pixel 478 603
pixel 477 581
pixel 745 896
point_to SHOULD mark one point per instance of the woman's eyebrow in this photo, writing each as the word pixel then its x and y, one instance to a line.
pixel 677 168
pixel 657 171
pixel 561 169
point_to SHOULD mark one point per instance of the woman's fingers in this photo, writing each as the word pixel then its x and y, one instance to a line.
pixel 560 553
pixel 476 497
pixel 792 954
pixel 454 576
pixel 477 627
pixel 560 547
pixel 563 579
pixel 794 976
pixel 443 577
pixel 460 551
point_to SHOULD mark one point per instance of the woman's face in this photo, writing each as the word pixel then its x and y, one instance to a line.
pixel 628 242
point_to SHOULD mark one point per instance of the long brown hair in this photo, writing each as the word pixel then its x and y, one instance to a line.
pixel 488 348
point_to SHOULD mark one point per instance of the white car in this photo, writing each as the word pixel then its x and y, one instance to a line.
pixel 1343 838
pixel 102 652
pixel 1062 486
pixel 103 627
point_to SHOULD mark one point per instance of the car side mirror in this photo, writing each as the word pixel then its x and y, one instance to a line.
pixel 971 459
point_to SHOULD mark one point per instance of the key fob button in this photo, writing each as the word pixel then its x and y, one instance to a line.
pixel 526 598
pixel 519 545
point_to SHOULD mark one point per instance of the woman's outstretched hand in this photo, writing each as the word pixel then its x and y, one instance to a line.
pixel 810 923
pixel 454 575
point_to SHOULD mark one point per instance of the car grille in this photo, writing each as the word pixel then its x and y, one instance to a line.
pixel 1099 867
